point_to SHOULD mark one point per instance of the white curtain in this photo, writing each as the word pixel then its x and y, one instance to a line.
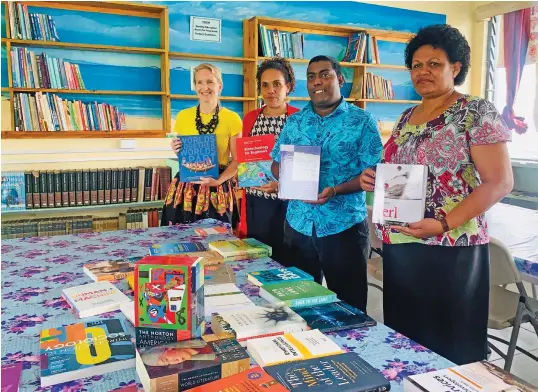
pixel 532 54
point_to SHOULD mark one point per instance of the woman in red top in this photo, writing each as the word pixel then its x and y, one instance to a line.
pixel 265 213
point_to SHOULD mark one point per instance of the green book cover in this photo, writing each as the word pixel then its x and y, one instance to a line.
pixel 297 294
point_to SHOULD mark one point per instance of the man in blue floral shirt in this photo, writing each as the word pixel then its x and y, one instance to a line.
pixel 329 237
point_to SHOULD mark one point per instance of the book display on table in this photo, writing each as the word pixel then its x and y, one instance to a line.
pixel 336 316
pixel 253 155
pixel 215 230
pixel 251 380
pixel 225 298
pixel 346 372
pixel 234 250
pixel 399 194
pixel 198 158
pixel 218 274
pixel 297 294
pixel 109 270
pixel 256 322
pixel 93 299
pixel 299 172
pixel 274 350
pixel 84 350
pixel 11 377
pixel 169 299
pixel 175 248
pixel 187 364
pixel 277 275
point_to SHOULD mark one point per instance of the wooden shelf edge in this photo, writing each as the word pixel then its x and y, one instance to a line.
pixel 69 45
pixel 83 134
pixel 194 97
pixel 110 7
pixel 389 101
pixel 194 56
pixel 346 64
pixel 67 91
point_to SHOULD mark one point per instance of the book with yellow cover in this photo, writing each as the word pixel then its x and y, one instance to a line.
pixel 248 248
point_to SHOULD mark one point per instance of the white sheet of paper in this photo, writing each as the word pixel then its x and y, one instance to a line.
pixel 305 167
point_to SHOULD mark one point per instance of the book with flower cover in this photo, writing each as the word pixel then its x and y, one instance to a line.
pixel 253 155
pixel 84 350
pixel 399 193
pixel 278 275
pixel 299 172
pixel 198 158
pixel 297 294
pixel 251 380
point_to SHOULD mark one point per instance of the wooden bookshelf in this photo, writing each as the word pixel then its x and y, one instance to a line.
pixel 194 97
pixel 83 134
pixel 207 57
pixel 68 45
pixel 67 91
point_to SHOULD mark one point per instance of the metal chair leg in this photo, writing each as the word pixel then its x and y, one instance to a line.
pixel 515 334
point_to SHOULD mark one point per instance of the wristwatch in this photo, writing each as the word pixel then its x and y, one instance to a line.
pixel 444 224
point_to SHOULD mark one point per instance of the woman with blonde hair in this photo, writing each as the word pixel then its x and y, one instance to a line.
pixel 208 198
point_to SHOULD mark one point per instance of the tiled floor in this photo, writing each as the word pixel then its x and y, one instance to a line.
pixel 522 366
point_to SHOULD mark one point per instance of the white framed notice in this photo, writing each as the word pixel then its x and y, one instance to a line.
pixel 205 29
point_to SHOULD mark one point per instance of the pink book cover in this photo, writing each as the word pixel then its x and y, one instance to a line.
pixel 11 376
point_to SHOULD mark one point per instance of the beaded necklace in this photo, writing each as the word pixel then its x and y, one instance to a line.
pixel 204 129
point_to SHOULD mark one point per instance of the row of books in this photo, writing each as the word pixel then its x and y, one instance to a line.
pixel 43 71
pixel 280 43
pixel 377 87
pixel 361 48
pixel 30 26
pixel 46 227
pixel 43 112
pixel 140 219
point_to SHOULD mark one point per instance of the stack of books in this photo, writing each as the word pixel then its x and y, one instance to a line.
pixel 281 43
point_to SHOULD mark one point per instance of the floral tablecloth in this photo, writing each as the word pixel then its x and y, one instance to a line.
pixel 35 270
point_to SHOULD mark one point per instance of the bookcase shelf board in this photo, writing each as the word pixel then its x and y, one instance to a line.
pixel 194 97
pixel 84 134
pixel 306 61
pixel 67 91
pixel 110 7
pixel 68 45
pixel 390 101
pixel 208 57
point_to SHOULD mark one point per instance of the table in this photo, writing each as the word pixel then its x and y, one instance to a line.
pixel 35 270
pixel 517 228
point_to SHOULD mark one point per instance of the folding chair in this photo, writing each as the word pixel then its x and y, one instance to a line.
pixel 375 265
pixel 507 308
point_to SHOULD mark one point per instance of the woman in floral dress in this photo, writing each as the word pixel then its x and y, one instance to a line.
pixel 436 271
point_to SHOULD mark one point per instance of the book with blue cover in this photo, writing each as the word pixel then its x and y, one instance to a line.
pixel 277 275
pixel 176 248
pixel 198 158
pixel 299 172
pixel 341 372
pixel 13 191
pixel 336 316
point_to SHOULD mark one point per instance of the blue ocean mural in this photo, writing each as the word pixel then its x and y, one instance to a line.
pixel 3 13
pixel 386 111
pixel 391 52
pixel 180 77
pixel 5 81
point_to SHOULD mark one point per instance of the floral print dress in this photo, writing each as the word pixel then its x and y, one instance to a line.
pixel 444 145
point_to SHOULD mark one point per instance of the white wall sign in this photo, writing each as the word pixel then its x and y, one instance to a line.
pixel 205 29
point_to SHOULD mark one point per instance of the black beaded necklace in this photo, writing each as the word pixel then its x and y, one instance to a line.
pixel 204 129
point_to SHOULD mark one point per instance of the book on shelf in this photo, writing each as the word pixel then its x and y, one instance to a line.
pixel 473 377
pixel 253 155
pixel 399 193
pixel 198 158
pixel 377 87
pixel 346 372
pixel 108 270
pixel 188 364
pixel 31 26
pixel 215 230
pixel 225 297
pixel 169 300
pixel 175 248
pixel 217 274
pixel 277 275
pixel 11 377
pixel 13 191
pixel 297 294
pixel 299 172
pixel 248 248
pixel 335 316
pixel 281 43
pixel 361 48
pixel 84 350
pixel 94 298
pixel 274 350
pixel 251 380
pixel 256 322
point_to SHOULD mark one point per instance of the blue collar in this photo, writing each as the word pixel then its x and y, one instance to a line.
pixel 341 108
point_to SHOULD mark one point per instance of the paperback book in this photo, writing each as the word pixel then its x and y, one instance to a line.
pixel 209 257
pixel 218 274
pixel 13 191
pixel 225 298
pixel 198 158
pixel 297 294
pixel 399 194
pixel 336 316
pixel 216 230
pixel 169 299
pixel 278 275
pixel 342 372
pixel 253 155
pixel 251 380
pixel 11 377
pixel 255 322
pixel 274 350
pixel 176 248
pixel 299 172
pixel 109 270
pixel 95 298
pixel 127 309
pixel 248 248
pixel 181 366
pixel 84 350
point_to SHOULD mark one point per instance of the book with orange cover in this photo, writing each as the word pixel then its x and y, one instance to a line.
pixel 252 380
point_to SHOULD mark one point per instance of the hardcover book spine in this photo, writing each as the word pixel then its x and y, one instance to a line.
pixel 134 185
pixel 101 186
pixel 65 188
pixel 128 182
pixel 50 189
pixel 43 190
pixel 108 185
pixel 78 188
pixel 93 187
pixel 121 185
pixel 86 187
pixel 58 188
pixel 114 187
pixel 36 189
pixel 29 190
pixel 148 179
pixel 72 188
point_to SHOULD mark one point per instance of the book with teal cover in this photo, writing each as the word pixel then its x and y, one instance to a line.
pixel 297 294
pixel 336 316
pixel 198 158
pixel 248 248
pixel 176 248
pixel 278 275
pixel 254 174
pixel 13 191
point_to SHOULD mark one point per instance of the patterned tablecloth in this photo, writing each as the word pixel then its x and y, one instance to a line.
pixel 35 270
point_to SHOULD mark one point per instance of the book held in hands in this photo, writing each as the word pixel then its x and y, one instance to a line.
pixel 198 158
pixel 253 155
pixel 399 194
pixel 299 172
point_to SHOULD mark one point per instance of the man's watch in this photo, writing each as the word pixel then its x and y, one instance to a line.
pixel 444 224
